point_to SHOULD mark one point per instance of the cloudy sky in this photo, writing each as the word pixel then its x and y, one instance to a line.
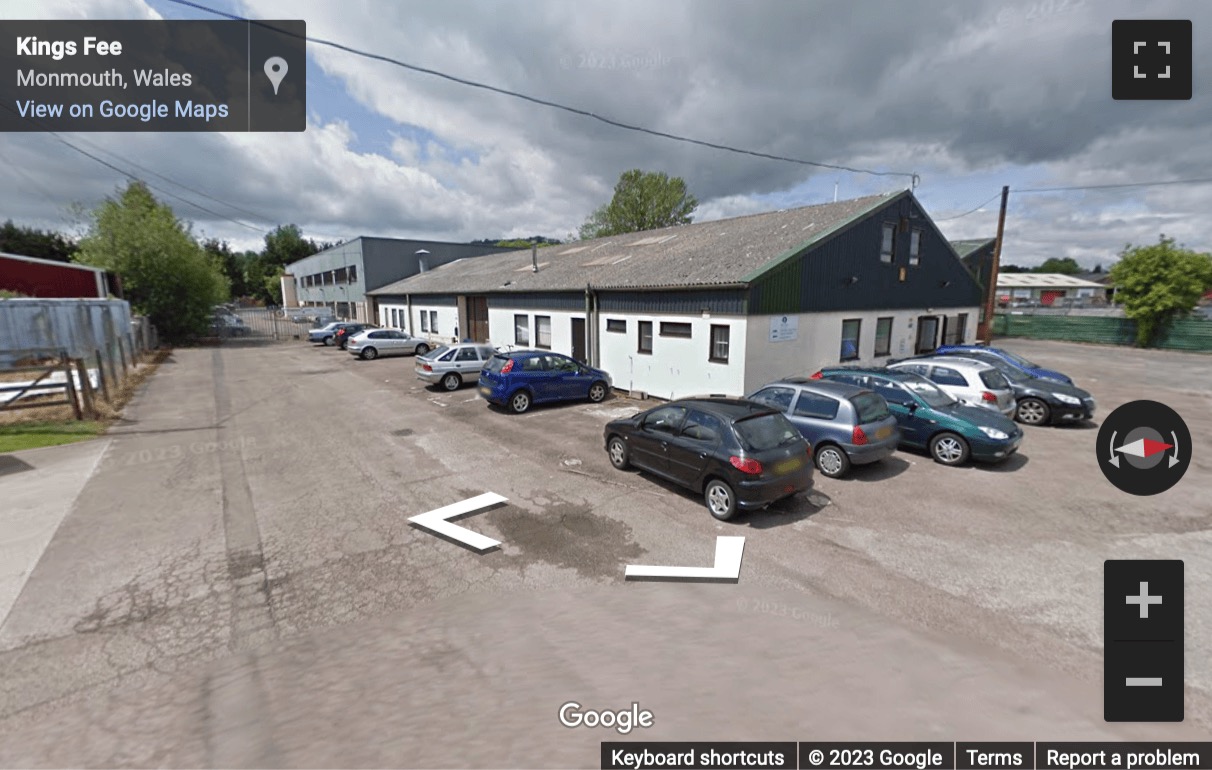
pixel 969 95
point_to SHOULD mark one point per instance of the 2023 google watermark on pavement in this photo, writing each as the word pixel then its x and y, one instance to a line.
pixel 783 610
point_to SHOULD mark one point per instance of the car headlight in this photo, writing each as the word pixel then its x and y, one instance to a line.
pixel 1067 399
pixel 995 433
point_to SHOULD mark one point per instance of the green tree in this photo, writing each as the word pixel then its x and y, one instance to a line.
pixel 31 242
pixel 1013 269
pixel 1063 265
pixel 1158 283
pixel 1099 268
pixel 643 200
pixel 165 274
pixel 230 262
pixel 285 244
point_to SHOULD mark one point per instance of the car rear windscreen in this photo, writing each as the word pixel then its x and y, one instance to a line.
pixel 995 380
pixel 870 407
pixel 496 364
pixel 767 431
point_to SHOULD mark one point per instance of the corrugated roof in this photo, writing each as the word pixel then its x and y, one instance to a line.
pixel 718 253
pixel 1043 281
pixel 964 248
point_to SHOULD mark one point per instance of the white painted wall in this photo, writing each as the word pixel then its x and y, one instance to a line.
pixel 448 320
pixel 401 316
pixel 677 366
pixel 501 328
pixel 818 342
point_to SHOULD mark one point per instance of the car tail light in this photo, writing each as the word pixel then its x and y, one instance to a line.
pixel 749 465
pixel 508 367
pixel 818 376
pixel 427 367
pixel 810 452
pixel 987 396
pixel 857 437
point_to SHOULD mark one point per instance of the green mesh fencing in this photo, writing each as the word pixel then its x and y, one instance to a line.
pixel 1186 334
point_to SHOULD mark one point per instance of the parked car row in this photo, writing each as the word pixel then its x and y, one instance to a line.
pixel 958 404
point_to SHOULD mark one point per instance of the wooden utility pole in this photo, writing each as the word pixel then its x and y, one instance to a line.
pixel 991 291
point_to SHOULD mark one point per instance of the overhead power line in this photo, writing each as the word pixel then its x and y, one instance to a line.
pixel 130 175
pixel 972 211
pixel 172 181
pixel 1111 186
pixel 547 103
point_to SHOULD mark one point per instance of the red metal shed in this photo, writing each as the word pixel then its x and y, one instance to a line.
pixel 46 278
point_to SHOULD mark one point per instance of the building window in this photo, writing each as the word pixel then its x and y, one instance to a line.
pixel 719 344
pixel 961 328
pixel 915 246
pixel 616 325
pixel 883 336
pixel 353 273
pixel 888 244
pixel 542 332
pixel 433 321
pixel 395 318
pixel 645 337
pixel 424 320
pixel 670 329
pixel 521 330
pixel 339 275
pixel 850 339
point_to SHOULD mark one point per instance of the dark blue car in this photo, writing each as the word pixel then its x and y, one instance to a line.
pixel 1018 362
pixel 522 378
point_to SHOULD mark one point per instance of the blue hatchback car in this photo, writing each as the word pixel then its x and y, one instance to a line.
pixel 1018 362
pixel 522 378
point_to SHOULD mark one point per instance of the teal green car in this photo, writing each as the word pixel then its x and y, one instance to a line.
pixel 932 419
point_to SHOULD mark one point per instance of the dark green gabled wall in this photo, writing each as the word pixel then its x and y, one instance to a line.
pixel 820 279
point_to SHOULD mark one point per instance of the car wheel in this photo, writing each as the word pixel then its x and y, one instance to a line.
pixel 597 392
pixel 422 349
pixel 720 499
pixel 519 402
pixel 948 449
pixel 1032 411
pixel 452 381
pixel 328 342
pixel 619 458
pixel 370 354
pixel 832 461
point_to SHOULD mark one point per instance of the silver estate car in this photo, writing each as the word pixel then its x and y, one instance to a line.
pixel 973 383
pixel 452 365
pixel 373 343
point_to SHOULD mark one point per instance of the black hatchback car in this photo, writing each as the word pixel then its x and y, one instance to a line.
pixel 738 454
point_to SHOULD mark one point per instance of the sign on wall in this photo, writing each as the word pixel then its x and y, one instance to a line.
pixel 784 328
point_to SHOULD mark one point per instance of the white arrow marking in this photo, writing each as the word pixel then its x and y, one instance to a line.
pixel 1174 457
pixel 438 521
pixel 728 552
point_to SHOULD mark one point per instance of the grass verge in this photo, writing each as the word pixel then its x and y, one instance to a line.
pixel 54 425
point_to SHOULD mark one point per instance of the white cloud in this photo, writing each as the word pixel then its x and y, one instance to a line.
pixel 961 93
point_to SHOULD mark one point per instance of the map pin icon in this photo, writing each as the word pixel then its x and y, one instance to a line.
pixel 275 68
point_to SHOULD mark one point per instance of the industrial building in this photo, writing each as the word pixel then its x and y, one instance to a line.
pixel 712 307
pixel 339 278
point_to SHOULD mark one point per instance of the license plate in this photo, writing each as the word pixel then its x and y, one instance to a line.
pixel 788 465
pixel 883 432
pixel 485 391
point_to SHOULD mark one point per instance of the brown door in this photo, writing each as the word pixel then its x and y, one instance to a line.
pixel 927 333
pixel 477 319
pixel 578 340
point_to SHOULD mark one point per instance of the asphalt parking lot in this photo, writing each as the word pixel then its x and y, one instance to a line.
pixel 265 602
